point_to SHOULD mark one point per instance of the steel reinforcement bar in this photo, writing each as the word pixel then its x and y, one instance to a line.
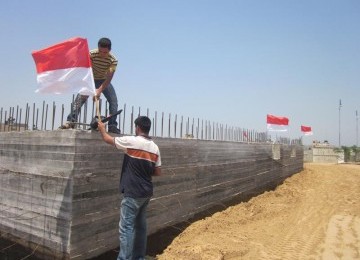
pixel 169 125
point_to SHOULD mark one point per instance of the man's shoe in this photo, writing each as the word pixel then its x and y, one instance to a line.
pixel 67 125
pixel 113 129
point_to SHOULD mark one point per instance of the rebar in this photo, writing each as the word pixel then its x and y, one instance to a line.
pixel 18 125
pixel 1 114
pixel 33 122
pixel 173 126
pixel 62 114
pixel 162 123
pixel 53 116
pixel 155 122
pixel 132 120
pixel 17 116
pixel 175 123
pixel 46 114
pixel 169 125
pixel 27 114
pixel 124 114
pixel 42 116
pixel 37 119
pixel 5 120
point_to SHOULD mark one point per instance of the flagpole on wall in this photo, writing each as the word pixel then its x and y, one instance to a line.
pixel 340 105
pixel 97 108
pixel 357 129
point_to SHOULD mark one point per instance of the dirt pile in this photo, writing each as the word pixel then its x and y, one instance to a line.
pixel 314 214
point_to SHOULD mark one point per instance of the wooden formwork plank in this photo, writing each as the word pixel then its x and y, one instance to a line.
pixel 101 242
pixel 104 205
pixel 94 226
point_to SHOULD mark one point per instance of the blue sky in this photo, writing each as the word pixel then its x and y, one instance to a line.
pixel 230 62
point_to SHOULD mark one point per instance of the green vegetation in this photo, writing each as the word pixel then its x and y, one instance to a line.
pixel 350 153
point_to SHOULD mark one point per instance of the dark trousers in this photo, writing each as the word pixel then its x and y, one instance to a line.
pixel 110 96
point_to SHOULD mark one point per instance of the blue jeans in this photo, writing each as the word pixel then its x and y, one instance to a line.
pixel 110 96
pixel 132 228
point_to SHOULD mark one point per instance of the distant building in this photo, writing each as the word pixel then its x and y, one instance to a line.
pixel 323 153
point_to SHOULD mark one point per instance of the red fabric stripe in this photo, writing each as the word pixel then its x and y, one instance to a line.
pixel 276 120
pixel 68 54
pixel 142 155
pixel 305 128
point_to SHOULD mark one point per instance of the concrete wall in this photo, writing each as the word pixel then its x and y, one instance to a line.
pixel 59 189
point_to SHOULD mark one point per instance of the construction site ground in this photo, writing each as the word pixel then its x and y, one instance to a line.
pixel 315 214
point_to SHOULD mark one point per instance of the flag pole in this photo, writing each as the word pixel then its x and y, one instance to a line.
pixel 97 108
pixel 340 105
pixel 357 129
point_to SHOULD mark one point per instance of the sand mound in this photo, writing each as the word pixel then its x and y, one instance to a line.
pixel 314 214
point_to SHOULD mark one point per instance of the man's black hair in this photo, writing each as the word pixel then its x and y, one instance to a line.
pixel 104 43
pixel 144 123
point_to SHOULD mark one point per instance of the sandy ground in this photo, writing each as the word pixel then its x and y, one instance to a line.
pixel 314 214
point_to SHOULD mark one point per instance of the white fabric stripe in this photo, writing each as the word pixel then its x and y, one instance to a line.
pixel 278 128
pixel 71 80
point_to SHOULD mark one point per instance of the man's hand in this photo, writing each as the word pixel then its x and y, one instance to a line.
pixel 106 137
pixel 97 95
pixel 101 127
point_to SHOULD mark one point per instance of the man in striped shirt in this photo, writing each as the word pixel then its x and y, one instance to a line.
pixel 141 161
pixel 103 65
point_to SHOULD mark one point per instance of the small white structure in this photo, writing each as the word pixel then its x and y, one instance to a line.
pixel 323 153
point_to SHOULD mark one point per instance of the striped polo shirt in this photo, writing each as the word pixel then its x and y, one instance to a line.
pixel 101 66
pixel 141 157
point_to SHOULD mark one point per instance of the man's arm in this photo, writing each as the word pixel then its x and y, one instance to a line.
pixel 106 83
pixel 106 137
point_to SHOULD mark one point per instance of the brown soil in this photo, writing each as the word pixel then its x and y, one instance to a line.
pixel 314 214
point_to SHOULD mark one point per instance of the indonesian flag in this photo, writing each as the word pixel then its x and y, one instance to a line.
pixel 306 130
pixel 65 68
pixel 277 123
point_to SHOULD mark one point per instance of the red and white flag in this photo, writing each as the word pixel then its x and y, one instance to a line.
pixel 306 130
pixel 277 123
pixel 65 68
